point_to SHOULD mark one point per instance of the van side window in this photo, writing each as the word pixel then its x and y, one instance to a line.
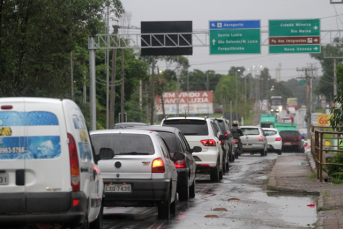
pixel 83 139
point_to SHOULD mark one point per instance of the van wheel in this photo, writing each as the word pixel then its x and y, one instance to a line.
pixel 184 192
pixel 97 224
pixel 164 208
pixel 192 190
pixel 173 206
pixel 215 173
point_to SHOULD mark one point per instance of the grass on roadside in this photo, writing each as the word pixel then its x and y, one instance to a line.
pixel 311 176
pixel 266 181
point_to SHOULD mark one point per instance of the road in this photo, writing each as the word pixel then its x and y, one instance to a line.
pixel 255 206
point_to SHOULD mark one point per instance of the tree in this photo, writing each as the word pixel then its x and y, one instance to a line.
pixel 36 37
pixel 325 86
pixel 336 120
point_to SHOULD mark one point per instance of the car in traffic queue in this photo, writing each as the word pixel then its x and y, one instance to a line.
pixel 186 168
pixel 291 139
pixel 229 141
pixel 48 170
pixel 201 132
pixel 254 140
pixel 137 169
pixel 274 140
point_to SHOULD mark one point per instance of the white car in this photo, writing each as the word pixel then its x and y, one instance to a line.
pixel 137 169
pixel 202 132
pixel 274 140
pixel 48 170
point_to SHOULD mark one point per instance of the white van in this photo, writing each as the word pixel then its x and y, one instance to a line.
pixel 48 172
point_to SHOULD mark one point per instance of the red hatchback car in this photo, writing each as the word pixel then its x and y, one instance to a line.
pixel 291 139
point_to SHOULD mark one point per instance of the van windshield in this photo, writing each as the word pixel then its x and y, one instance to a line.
pixel 140 144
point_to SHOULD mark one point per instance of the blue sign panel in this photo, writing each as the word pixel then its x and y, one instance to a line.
pixel 255 24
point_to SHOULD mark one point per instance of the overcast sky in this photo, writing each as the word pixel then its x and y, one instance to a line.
pixel 200 12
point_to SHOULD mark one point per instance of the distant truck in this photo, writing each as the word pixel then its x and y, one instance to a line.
pixel 268 120
pixel 276 104
pixel 292 102
pixel 280 126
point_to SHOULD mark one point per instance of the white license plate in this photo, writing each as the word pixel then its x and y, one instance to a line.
pixel 236 145
pixel 3 178
pixel 287 143
pixel 117 187
pixel 247 145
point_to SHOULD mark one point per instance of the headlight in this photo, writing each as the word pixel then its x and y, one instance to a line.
pixel 272 110
pixel 277 109
pixel 280 108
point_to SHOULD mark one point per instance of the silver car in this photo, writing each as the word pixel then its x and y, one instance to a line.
pixel 254 140
pixel 137 169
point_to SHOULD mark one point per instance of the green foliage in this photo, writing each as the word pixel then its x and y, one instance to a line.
pixel 336 171
pixel 311 176
pixel 336 120
pixel 325 85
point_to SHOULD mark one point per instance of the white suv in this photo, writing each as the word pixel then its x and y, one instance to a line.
pixel 201 132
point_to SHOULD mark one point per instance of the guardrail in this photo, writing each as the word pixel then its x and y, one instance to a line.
pixel 319 148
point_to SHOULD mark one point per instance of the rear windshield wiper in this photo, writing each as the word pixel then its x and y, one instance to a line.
pixel 133 153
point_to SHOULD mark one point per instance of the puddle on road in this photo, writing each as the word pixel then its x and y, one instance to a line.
pixel 293 207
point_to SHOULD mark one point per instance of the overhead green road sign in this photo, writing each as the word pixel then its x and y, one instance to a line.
pixel 294 28
pixel 294 49
pixel 235 41
pixel 235 37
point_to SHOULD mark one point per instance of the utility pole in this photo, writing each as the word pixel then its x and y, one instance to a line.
pixel 113 80
pixel 107 68
pixel 334 79
pixel 208 107
pixel 152 91
pixel 71 76
pixel 122 92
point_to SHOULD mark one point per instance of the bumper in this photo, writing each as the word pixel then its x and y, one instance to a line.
pixel 143 193
pixel 32 208
pixel 274 147
pixel 208 158
pixel 253 147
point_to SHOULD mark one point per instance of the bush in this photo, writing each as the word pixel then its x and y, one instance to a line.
pixel 336 171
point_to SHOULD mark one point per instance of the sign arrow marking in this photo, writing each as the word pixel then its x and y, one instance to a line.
pixel 315 28
pixel 214 42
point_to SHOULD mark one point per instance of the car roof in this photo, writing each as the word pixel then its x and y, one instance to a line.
pixel 249 127
pixel 195 118
pixel 124 131
pixel 131 123
pixel 263 128
pixel 157 128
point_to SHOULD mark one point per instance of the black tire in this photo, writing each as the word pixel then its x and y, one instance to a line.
pixel 236 154
pixel 173 206
pixel 214 175
pixel 164 208
pixel 227 167
pixel 266 152
pixel 262 152
pixel 98 223
pixel 223 165
pixel 279 152
pixel 85 224
pixel 184 192
pixel 221 175
pixel 192 190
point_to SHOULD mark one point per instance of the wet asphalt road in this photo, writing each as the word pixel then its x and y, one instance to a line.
pixel 211 207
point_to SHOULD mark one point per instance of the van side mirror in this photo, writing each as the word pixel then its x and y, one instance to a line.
pixel 196 149
pixel 106 154
pixel 178 156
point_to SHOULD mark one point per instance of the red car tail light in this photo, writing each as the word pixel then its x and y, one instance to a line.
pixel 75 202
pixel 208 142
pixel 180 164
pixel 226 134
pixel 158 166
pixel 6 107
pixel 221 142
pixel 235 141
pixel 278 139
pixel 260 139
pixel 74 164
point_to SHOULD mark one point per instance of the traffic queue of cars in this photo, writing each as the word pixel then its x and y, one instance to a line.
pixel 133 164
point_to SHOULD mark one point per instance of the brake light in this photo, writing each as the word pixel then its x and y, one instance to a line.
pixel 221 142
pixel 282 120
pixel 208 142
pixel 74 164
pixel 205 165
pixel 226 134
pixel 6 107
pixel 278 139
pixel 299 137
pixel 180 164
pixel 75 202
pixel 260 139
pixel 235 141
pixel 158 166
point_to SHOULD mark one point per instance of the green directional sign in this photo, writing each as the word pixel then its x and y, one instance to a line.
pixel 294 49
pixel 235 41
pixel 294 28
